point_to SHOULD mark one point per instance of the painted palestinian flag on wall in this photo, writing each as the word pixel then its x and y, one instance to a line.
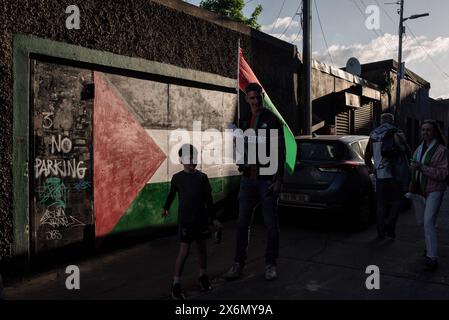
pixel 133 120
pixel 246 76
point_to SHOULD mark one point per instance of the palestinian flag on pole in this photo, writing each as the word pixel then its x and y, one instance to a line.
pixel 247 76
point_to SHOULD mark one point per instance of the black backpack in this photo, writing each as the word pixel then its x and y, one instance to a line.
pixel 389 148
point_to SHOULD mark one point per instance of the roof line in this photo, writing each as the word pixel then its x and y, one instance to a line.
pixel 393 65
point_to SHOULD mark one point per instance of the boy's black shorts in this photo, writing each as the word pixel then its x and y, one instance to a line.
pixel 189 234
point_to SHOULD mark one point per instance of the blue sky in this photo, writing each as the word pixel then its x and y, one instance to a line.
pixel 426 53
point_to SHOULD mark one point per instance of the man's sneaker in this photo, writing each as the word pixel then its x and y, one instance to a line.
pixel 176 292
pixel 431 264
pixel 235 272
pixel 204 283
pixel 270 272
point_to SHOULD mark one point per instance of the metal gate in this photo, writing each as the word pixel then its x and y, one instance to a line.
pixel 343 123
pixel 61 147
pixel 363 119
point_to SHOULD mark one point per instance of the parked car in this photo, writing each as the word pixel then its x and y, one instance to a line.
pixel 331 175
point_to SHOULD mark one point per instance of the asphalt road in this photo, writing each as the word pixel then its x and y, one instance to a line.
pixel 319 259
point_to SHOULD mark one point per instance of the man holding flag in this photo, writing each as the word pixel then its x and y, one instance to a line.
pixel 255 186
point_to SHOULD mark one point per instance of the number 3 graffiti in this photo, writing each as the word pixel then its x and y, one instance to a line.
pixel 47 122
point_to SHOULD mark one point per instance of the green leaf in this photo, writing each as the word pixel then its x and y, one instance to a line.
pixel 233 10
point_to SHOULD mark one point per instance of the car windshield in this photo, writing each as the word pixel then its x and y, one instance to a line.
pixel 359 147
pixel 356 147
pixel 363 144
pixel 320 151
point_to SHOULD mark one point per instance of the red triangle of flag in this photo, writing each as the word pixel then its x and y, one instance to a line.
pixel 125 157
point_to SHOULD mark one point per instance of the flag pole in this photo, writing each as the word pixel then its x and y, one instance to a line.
pixel 238 84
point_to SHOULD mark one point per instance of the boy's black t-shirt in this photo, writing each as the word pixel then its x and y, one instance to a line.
pixel 195 193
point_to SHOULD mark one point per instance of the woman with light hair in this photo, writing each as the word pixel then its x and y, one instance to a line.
pixel 429 182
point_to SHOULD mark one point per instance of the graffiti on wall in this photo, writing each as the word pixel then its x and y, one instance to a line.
pixel 62 205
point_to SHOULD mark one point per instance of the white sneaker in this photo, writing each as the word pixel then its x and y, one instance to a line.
pixel 270 272
pixel 235 272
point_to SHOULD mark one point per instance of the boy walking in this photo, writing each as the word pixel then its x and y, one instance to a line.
pixel 195 196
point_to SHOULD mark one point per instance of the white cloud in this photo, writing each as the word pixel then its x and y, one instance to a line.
pixel 415 54
pixel 434 47
pixel 444 97
pixel 281 24
pixel 386 47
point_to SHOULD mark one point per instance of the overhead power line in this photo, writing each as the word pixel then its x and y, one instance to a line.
pixel 377 34
pixel 293 16
pixel 322 31
pixel 382 33
pixel 444 74
pixel 386 12
pixel 300 31
pixel 279 14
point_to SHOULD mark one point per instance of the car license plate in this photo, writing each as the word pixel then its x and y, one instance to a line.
pixel 294 197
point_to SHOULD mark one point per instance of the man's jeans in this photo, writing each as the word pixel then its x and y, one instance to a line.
pixel 389 200
pixel 252 192
pixel 426 214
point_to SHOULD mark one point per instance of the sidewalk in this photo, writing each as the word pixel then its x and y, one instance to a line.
pixel 315 262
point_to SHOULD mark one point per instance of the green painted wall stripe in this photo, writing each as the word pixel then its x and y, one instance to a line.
pixel 145 210
pixel 20 149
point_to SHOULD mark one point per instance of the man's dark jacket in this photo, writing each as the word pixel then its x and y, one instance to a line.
pixel 267 120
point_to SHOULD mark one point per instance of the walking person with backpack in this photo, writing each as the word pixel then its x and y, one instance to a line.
pixel 429 182
pixel 388 148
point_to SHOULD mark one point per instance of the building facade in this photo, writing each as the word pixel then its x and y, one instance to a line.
pixel 415 103
pixel 86 114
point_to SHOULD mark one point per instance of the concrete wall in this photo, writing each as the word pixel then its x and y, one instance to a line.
pixel 328 88
pixel 176 33
pixel 323 84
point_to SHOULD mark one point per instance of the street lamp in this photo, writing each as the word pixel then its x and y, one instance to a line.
pixel 416 16
pixel 400 70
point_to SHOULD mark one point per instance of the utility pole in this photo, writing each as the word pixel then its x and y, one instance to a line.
pixel 400 69
pixel 307 65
